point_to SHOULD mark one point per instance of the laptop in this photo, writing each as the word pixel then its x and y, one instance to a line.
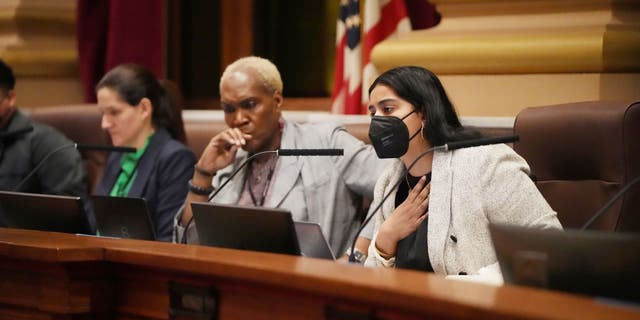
pixel 122 217
pixel 245 228
pixel 312 242
pixel 603 264
pixel 43 212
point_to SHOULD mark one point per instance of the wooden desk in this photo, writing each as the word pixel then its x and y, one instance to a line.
pixel 47 275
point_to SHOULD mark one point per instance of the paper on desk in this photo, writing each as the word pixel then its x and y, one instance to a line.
pixel 490 275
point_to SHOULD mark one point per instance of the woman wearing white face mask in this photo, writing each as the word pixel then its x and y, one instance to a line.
pixel 437 218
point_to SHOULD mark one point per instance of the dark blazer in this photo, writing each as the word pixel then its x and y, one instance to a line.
pixel 163 173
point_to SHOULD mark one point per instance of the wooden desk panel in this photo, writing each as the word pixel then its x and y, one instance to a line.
pixel 44 288
pixel 129 279
pixel 48 246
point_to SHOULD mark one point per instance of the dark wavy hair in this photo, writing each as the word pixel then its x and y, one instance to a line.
pixel 133 82
pixel 423 90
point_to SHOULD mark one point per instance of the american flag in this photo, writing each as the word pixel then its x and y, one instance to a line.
pixel 382 19
pixel 347 88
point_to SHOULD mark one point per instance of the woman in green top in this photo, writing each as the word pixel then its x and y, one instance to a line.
pixel 136 112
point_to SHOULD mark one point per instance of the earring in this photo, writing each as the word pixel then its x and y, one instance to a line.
pixel 422 131
pixel 281 124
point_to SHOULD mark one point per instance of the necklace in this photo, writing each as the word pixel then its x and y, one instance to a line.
pixel 416 179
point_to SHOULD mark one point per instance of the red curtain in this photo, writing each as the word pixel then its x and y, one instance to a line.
pixel 111 32
pixel 422 14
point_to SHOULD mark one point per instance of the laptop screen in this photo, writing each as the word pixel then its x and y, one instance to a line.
pixel 122 217
pixel 312 242
pixel 587 262
pixel 245 228
pixel 42 212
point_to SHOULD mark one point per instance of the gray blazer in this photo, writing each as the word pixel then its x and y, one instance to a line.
pixel 317 189
pixel 469 188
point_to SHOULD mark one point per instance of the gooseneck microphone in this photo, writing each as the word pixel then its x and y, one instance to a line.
pixel 445 147
pixel 479 142
pixel 96 147
pixel 611 201
pixel 352 256
pixel 67 146
pixel 280 152
pixel 310 152
pixel 277 152
pixel 213 194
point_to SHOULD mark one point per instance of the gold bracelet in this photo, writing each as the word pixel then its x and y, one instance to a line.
pixel 381 253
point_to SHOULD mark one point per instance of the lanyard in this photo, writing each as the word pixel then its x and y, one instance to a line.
pixel 264 190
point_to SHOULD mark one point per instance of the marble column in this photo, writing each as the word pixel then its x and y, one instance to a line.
pixel 38 40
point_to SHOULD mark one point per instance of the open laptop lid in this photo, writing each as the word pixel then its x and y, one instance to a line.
pixel 588 262
pixel 312 242
pixel 123 217
pixel 245 228
pixel 42 212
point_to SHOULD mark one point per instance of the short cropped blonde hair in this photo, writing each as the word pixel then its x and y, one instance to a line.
pixel 266 70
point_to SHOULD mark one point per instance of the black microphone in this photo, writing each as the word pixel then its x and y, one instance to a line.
pixel 480 142
pixel 15 133
pixel 96 147
pixel 277 152
pixel 352 256
pixel 610 203
pixel 310 152
pixel 213 194
pixel 445 147
pixel 280 152
pixel 66 146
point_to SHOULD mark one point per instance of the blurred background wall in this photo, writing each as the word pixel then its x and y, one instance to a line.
pixel 495 57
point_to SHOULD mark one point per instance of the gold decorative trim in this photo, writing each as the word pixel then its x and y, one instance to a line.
pixel 580 50
pixel 38 14
pixel 522 37
pixel 39 37
pixel 42 63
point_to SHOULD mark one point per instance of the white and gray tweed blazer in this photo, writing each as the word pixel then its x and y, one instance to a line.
pixel 469 189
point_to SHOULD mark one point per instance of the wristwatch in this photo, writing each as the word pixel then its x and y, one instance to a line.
pixel 358 255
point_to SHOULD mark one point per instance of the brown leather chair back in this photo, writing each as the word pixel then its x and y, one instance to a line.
pixel 199 133
pixel 580 155
pixel 81 124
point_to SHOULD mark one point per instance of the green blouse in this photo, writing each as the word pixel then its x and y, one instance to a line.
pixel 129 166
